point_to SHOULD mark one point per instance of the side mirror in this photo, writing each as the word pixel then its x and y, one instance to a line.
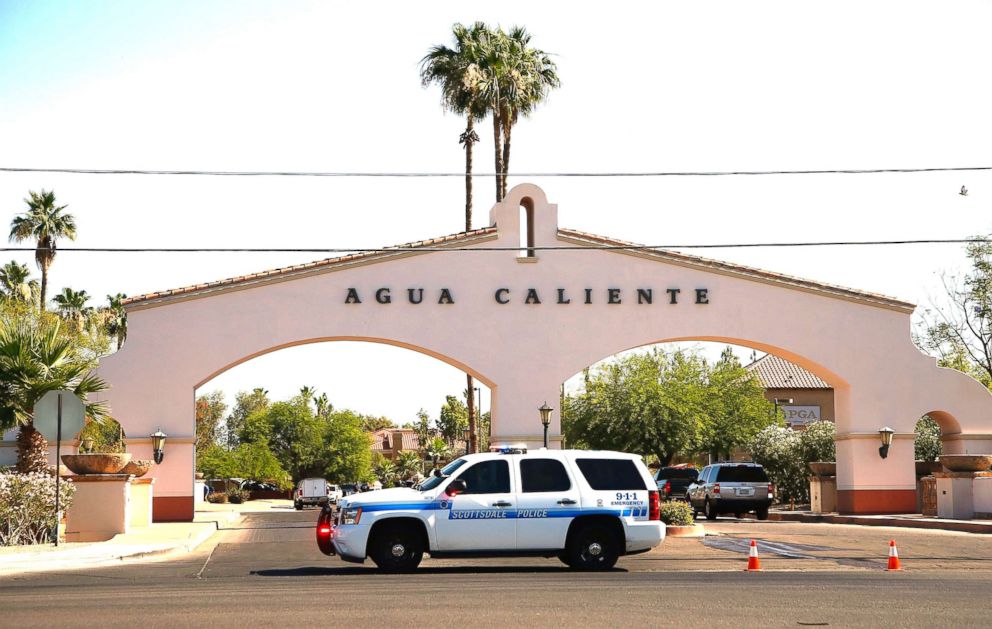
pixel 436 472
pixel 455 487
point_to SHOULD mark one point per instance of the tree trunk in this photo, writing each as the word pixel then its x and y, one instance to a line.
pixel 473 439
pixel 469 133
pixel 32 451
pixel 498 150
pixel 507 127
pixel 44 286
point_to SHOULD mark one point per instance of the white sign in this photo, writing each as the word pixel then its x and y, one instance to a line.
pixel 801 415
pixel 46 415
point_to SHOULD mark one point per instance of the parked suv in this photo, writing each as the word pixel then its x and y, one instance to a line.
pixel 736 488
pixel 673 482
pixel 586 508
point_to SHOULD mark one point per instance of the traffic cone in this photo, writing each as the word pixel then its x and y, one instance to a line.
pixel 893 556
pixel 753 563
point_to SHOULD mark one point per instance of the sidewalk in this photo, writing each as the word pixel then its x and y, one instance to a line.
pixel 908 520
pixel 156 540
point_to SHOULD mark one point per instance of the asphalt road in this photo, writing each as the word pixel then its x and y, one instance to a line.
pixel 266 571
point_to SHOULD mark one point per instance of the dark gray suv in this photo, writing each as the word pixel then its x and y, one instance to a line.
pixel 736 488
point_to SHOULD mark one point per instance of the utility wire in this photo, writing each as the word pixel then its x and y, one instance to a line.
pixel 401 248
pixel 290 173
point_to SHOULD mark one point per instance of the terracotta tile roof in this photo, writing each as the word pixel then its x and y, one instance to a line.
pixel 307 268
pixel 778 373
pixel 728 268
pixel 386 439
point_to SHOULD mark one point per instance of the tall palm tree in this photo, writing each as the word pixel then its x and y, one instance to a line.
pixel 44 222
pixel 71 306
pixel 407 464
pixel 16 283
pixel 461 73
pixel 526 77
pixel 115 318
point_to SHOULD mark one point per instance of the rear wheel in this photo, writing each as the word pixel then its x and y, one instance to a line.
pixel 761 513
pixel 593 547
pixel 709 510
pixel 563 557
pixel 298 506
pixel 395 548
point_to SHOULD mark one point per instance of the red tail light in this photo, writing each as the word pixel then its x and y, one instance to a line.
pixel 299 493
pixel 716 488
pixel 325 532
pixel 654 506
pixel 668 487
pixel 771 490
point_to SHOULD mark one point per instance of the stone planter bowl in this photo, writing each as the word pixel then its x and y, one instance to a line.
pixel 137 468
pixel 821 468
pixel 927 468
pixel 100 463
pixel 966 462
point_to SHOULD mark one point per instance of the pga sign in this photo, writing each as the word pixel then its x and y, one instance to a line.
pixel 801 415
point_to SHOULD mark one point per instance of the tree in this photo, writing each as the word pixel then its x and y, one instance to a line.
pixel 71 306
pixel 452 420
pixel 778 450
pixel 408 464
pixel 323 405
pixel 45 223
pixel 652 403
pixel 210 409
pixel 256 461
pixel 736 408
pixel 371 423
pixel 384 469
pixel 958 329
pixel 293 432
pixel 245 404
pixel 927 445
pixel 16 283
pixel 115 318
pixel 347 453
pixel 816 443
pixel 437 450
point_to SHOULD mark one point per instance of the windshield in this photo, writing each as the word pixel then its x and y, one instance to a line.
pixel 446 471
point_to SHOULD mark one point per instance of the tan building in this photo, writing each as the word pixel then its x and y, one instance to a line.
pixel 803 397
pixel 389 442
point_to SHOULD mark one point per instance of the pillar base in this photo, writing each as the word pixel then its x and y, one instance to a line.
pixel 172 509
pixel 875 501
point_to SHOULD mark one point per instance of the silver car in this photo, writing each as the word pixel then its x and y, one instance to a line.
pixel 736 488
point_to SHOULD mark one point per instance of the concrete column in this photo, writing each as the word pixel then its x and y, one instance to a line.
pixel 515 416
pixel 869 484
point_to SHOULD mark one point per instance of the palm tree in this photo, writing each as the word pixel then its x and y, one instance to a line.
pixel 16 284
pixel 437 449
pixel 407 464
pixel 44 222
pixel 385 470
pixel 323 405
pixel 71 306
pixel 115 318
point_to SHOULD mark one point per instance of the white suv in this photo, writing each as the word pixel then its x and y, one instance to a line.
pixel 585 507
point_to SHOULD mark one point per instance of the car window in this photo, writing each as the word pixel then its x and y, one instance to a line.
pixel 611 474
pixel 487 477
pixel 538 475
pixel 742 474
pixel 446 471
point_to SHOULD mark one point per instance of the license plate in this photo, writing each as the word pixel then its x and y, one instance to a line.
pixel 745 491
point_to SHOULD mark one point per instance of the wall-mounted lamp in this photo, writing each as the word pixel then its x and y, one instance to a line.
pixel 886 435
pixel 545 411
pixel 158 444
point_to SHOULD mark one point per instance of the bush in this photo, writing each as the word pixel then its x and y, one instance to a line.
pixel 817 443
pixel 676 513
pixel 927 445
pixel 779 450
pixel 27 507
pixel 238 496
pixel 217 497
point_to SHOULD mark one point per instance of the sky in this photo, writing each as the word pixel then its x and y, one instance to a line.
pixel 334 86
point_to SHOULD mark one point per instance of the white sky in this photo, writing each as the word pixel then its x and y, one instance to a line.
pixel 646 87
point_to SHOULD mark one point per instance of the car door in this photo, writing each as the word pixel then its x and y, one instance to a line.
pixel 699 489
pixel 547 501
pixel 481 517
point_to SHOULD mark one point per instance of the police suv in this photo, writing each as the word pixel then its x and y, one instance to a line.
pixel 586 508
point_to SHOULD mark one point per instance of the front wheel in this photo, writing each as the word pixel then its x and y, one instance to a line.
pixel 298 506
pixel 593 547
pixel 396 549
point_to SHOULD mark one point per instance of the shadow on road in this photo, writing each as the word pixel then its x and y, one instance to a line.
pixel 310 571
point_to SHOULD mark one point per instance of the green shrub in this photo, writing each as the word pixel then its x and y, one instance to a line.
pixel 676 513
pixel 27 507
pixel 927 445
pixel 238 496
pixel 217 497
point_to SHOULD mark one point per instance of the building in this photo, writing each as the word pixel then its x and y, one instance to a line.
pixel 390 442
pixel 802 396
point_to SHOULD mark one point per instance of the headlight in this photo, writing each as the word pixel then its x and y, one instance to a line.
pixel 351 515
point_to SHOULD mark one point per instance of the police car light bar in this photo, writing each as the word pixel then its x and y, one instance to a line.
pixel 519 449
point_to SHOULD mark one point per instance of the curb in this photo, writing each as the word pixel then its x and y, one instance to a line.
pixel 826 518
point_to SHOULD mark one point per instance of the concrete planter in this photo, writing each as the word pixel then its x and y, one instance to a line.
pixel 693 530
pixel 100 463
pixel 966 462
pixel 823 468
pixel 927 468
pixel 137 468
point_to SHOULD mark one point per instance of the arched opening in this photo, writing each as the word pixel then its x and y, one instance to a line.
pixel 349 410
pixel 106 435
pixel 929 436
pixel 527 228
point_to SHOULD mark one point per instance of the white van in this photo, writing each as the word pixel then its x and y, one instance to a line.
pixel 309 491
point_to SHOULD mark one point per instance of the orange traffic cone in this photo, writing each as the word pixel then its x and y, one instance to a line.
pixel 893 556
pixel 753 563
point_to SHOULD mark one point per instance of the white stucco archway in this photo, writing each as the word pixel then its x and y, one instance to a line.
pixel 533 322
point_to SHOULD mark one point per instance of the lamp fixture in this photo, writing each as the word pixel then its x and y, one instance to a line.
pixel 885 434
pixel 545 411
pixel 158 445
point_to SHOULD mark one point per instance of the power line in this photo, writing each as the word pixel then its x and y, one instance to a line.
pixel 401 249
pixel 291 173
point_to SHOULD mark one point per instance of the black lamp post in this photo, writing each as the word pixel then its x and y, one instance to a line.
pixel 467 435
pixel 886 435
pixel 158 445
pixel 545 411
